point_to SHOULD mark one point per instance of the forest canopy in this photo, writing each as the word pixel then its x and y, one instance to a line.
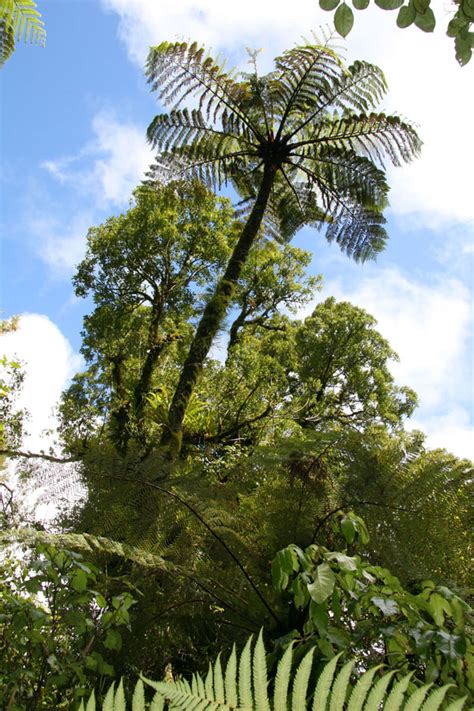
pixel 238 440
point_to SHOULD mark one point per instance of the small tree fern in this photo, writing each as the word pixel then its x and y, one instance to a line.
pixel 245 685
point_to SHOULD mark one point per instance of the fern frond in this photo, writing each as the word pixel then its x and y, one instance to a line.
pixel 23 19
pixel 87 543
pixel 7 41
pixel 373 135
pixel 182 70
pixel 334 691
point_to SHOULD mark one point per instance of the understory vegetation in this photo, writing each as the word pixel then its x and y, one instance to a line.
pixel 233 457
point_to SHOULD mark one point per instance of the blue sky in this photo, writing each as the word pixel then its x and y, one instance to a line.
pixel 72 146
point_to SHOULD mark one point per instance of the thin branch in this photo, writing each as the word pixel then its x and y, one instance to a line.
pixel 38 455
pixel 213 533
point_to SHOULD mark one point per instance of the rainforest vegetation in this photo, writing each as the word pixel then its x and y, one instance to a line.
pixel 234 451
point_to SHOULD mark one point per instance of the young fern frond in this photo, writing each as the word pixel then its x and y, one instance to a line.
pixel 335 690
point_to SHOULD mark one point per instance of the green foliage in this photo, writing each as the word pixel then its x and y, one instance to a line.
pixel 19 19
pixel 418 12
pixel 245 684
pixel 59 633
pixel 282 144
pixel 344 604
pixel 11 418
pixel 289 118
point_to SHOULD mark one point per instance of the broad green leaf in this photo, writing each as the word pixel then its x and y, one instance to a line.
pixel 79 580
pixel 328 4
pixel 300 683
pixel 426 21
pixel 113 640
pixel 343 19
pixel 345 562
pixel 388 607
pixel 389 4
pixel 406 15
pixel 348 529
pixel 437 606
pixel 421 5
pixel 323 584
pixel 360 4
pixel 319 616
pixel 452 645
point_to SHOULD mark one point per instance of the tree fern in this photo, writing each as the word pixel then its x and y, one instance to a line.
pixel 19 19
pixel 301 145
pixel 334 691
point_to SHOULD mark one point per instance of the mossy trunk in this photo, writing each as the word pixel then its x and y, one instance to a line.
pixel 213 316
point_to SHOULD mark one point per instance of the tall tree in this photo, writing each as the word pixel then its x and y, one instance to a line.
pixel 280 141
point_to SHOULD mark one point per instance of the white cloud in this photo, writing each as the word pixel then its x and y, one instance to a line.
pixel 425 82
pixel 49 362
pixel 110 165
pixel 428 325
pixel 103 174
pixel 59 243
pixel 452 431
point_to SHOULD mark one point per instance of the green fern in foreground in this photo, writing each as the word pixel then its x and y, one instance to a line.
pixel 244 685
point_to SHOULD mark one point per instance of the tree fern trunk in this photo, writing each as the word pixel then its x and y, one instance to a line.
pixel 213 316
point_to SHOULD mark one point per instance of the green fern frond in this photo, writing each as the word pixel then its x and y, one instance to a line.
pixel 19 20
pixel 334 690
pixel 182 70
pixel 7 41
pixel 87 543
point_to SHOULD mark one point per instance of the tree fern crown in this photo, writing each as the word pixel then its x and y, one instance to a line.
pixel 311 122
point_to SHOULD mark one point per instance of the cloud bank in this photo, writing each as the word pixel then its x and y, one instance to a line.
pixel 429 326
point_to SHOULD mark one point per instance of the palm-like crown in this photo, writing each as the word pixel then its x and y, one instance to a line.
pixel 310 123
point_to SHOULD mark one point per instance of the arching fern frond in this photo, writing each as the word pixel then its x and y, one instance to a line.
pixel 245 686
pixel 19 20
pixel 87 543
pixel 181 70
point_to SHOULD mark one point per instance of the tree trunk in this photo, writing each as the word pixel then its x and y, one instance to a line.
pixel 213 316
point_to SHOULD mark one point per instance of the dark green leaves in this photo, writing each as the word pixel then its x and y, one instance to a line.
pixel 343 19
pixel 328 4
pixel 389 4
pixel 407 15
pixel 425 21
